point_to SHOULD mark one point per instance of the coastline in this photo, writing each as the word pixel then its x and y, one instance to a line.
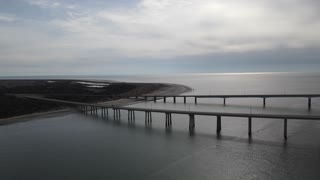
pixel 163 89
pixel 29 117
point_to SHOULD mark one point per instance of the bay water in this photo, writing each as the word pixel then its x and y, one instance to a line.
pixel 78 146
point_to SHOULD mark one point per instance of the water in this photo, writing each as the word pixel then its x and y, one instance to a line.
pixel 77 146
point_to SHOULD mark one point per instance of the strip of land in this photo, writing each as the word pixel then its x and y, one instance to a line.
pixel 15 109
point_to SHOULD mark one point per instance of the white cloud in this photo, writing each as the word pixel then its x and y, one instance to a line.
pixel 49 4
pixel 164 28
pixel 7 18
pixel 187 27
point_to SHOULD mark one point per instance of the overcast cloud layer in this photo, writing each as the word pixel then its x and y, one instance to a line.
pixel 40 34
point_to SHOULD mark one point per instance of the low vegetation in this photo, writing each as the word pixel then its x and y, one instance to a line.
pixel 72 90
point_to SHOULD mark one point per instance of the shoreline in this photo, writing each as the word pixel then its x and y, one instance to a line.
pixel 164 89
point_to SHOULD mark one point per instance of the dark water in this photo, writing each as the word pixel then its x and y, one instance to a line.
pixel 77 146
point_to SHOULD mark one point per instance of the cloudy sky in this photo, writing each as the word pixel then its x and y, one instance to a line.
pixel 89 37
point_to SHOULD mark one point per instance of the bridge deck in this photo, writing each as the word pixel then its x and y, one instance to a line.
pixel 194 96
pixel 250 115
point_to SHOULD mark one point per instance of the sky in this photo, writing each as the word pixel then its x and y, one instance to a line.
pixel 101 37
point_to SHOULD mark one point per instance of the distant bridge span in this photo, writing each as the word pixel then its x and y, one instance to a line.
pixel 155 98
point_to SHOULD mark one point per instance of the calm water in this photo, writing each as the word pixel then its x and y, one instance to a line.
pixel 77 146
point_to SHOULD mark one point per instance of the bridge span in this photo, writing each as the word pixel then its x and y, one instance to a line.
pixel 92 109
pixel 225 97
pixel 155 98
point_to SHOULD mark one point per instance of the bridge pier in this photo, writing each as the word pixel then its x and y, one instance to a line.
pixel 164 99
pixel 264 102
pixel 309 103
pixel 185 99
pixel 168 120
pixel 218 125
pixel 148 117
pixel 116 114
pixel 131 115
pixel 104 112
pixel 195 100
pixel 145 98
pixel 285 128
pixel 191 123
pixel 155 98
pixel 224 101
pixel 249 126
pixel 174 99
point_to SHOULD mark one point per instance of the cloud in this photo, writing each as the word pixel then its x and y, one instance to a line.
pixel 158 29
pixel 7 18
pixel 44 3
pixel 181 27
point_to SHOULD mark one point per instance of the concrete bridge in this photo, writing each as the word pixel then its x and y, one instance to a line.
pixel 92 109
pixel 225 97
pixel 155 98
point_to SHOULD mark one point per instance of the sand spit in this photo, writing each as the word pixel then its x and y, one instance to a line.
pixel 141 89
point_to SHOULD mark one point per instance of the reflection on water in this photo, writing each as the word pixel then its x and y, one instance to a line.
pixel 78 146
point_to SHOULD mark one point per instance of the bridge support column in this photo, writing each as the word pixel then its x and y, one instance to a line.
pixel 164 99
pixel 174 99
pixel 224 101
pixel 264 102
pixel 285 128
pixel 309 103
pixel 148 118
pixel 195 100
pixel 218 124
pixel 131 115
pixel 116 114
pixel 145 98
pixel 249 126
pixel 155 98
pixel 191 123
pixel 168 120
pixel 185 99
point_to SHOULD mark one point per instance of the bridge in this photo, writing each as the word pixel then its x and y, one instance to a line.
pixel 225 97
pixel 92 109
pixel 155 98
